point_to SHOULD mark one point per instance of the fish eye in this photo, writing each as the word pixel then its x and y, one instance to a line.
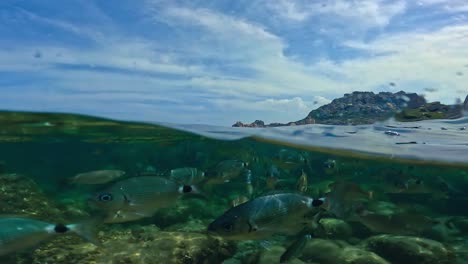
pixel 228 226
pixel 105 197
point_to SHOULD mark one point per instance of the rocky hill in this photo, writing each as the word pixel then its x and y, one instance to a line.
pixel 367 107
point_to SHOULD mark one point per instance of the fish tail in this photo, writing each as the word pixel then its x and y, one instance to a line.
pixel 87 230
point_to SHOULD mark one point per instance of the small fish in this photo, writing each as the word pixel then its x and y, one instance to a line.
pixel 262 217
pixel 138 197
pixel 329 164
pixel 272 177
pixel 398 223
pixel 248 183
pixel 227 170
pixel 186 175
pixel 289 159
pixel 17 233
pixel 239 200
pixel 97 177
pixel 301 184
pixel 346 198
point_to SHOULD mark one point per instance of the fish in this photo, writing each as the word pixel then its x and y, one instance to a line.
pixel 262 217
pixel 248 183
pixel 289 159
pixel 272 177
pixel 18 233
pixel 399 223
pixel 227 170
pixel 346 198
pixel 138 197
pixel 97 177
pixel 301 184
pixel 239 200
pixel 186 175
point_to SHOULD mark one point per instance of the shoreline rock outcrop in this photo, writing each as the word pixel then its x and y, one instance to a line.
pixel 358 108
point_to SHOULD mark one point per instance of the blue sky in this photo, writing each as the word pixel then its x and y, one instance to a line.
pixel 216 62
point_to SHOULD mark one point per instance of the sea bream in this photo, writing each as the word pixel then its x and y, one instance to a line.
pixel 285 214
pixel 139 197
pixel 17 233
pixel 96 177
pixel 227 170
pixel 186 175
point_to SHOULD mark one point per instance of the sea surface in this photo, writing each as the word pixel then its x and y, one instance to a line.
pixel 403 195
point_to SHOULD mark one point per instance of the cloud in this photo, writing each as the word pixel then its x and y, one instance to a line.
pixel 365 13
pixel 415 61
pixel 201 63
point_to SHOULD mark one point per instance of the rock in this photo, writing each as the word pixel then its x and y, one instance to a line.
pixel 355 108
pixel 273 255
pixel 256 123
pixel 141 245
pixel 465 104
pixel 20 195
pixel 335 228
pixel 337 252
pixel 407 249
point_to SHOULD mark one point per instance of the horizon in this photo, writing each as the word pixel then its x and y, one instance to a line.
pixel 218 62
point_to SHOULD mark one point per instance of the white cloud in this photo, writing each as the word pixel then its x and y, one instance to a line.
pixel 414 60
pixel 342 13
pixel 276 88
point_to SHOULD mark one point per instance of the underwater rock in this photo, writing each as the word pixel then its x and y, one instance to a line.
pixel 143 245
pixel 338 252
pixel 335 228
pixel 273 255
pixel 184 211
pixel 407 249
pixel 193 225
pixel 19 195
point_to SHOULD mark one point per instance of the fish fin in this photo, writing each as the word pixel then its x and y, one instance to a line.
pixel 295 249
pixel 87 230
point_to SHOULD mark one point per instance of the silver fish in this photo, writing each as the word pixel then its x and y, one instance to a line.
pixel 97 177
pixel 227 170
pixel 135 198
pixel 186 175
pixel 18 233
pixel 285 213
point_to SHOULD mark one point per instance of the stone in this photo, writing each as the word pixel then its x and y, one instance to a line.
pixel 143 245
pixel 408 249
pixel 465 104
pixel 273 255
pixel 335 228
pixel 338 252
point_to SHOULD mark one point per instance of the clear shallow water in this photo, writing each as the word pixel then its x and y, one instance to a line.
pixel 51 148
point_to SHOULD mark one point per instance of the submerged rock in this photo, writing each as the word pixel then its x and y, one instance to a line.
pixel 20 195
pixel 337 252
pixel 134 246
pixel 407 249
pixel 335 228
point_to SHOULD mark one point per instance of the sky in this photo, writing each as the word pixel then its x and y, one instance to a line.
pixel 222 61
